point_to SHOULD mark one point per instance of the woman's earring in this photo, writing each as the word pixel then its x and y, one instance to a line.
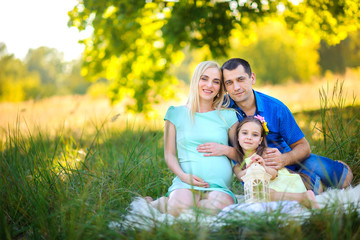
pixel 217 95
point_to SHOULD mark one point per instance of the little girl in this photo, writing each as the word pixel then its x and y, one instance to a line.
pixel 251 143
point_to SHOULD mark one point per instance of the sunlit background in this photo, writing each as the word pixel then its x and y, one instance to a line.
pixel 28 25
pixel 68 62
pixel 85 84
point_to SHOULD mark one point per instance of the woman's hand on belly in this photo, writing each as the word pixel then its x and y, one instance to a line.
pixel 217 149
pixel 193 180
pixel 212 149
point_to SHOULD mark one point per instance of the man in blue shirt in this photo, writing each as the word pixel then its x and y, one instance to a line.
pixel 287 144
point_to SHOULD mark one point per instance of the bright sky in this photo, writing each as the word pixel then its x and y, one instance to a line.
pixel 26 24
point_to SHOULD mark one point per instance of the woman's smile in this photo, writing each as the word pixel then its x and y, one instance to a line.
pixel 209 84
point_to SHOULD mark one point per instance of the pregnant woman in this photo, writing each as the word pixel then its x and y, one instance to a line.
pixel 201 181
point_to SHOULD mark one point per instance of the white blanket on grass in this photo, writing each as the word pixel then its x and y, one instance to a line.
pixel 142 215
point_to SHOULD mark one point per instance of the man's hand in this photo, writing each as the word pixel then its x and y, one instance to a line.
pixel 193 180
pixel 273 158
pixel 212 149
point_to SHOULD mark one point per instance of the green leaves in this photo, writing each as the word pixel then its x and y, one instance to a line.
pixel 199 26
pixel 135 43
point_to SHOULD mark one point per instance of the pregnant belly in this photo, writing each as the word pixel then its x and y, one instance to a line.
pixel 214 170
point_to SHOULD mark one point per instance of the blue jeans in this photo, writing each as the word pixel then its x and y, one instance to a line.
pixel 330 172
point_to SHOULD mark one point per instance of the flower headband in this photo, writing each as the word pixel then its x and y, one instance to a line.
pixel 263 122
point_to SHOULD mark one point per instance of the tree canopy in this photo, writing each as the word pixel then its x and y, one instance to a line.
pixel 135 43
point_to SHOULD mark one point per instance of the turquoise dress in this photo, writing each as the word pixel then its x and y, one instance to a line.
pixel 206 127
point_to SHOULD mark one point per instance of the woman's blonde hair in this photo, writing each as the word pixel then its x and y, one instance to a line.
pixel 193 102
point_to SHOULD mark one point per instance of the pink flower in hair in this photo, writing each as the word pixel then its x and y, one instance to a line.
pixel 263 122
pixel 261 119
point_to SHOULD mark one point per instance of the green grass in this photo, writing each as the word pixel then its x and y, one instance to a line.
pixel 334 130
pixel 70 186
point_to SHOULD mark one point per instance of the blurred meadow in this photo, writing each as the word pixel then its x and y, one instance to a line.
pixel 72 164
pixel 80 140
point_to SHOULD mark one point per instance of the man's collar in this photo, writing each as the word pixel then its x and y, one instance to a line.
pixel 232 103
pixel 259 102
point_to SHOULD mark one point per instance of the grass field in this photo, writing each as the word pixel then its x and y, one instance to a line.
pixel 70 165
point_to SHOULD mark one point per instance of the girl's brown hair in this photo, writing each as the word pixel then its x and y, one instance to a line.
pixel 263 145
pixel 260 150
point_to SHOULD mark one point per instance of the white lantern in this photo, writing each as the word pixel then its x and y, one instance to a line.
pixel 256 184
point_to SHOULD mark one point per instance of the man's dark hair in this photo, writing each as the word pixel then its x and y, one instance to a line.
pixel 233 63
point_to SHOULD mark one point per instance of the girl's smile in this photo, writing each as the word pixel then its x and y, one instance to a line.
pixel 250 136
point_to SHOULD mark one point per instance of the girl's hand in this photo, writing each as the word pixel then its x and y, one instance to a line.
pixel 258 159
pixel 193 180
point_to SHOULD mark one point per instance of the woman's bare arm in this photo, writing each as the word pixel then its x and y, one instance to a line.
pixel 171 159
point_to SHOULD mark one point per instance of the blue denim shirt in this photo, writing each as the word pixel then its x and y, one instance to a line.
pixel 283 129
